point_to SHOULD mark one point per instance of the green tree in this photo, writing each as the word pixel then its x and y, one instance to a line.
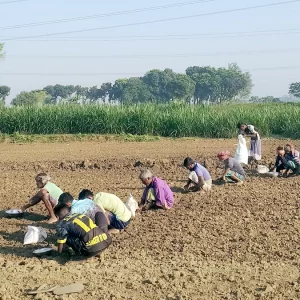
pixel 94 94
pixel 181 86
pixel 222 84
pixel 206 83
pixel 59 92
pixel 30 98
pixel 159 84
pixel 4 92
pixel 118 89
pixel 236 83
pixel 105 91
pixel 135 91
pixel 294 89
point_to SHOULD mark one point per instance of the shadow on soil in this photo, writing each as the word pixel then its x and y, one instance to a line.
pixel 26 216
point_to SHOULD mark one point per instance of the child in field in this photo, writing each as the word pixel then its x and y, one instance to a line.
pixel 80 233
pixel 199 177
pixel 48 194
pixel 157 192
pixel 233 171
pixel 118 215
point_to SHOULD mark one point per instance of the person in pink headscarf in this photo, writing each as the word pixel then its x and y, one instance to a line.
pixel 233 171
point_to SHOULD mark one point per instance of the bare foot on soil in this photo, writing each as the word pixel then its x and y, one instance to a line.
pixel 114 231
pixel 52 220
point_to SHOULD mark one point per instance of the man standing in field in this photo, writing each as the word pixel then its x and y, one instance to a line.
pixel 157 192
pixel 48 194
pixel 199 177
pixel 117 213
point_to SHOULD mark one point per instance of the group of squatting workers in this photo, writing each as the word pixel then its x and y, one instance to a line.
pixel 87 223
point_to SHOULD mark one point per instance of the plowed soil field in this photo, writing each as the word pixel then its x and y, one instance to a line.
pixel 239 242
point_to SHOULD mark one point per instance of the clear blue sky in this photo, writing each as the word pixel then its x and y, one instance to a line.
pixel 34 56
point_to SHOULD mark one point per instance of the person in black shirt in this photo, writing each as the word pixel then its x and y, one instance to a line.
pixel 80 232
pixel 281 163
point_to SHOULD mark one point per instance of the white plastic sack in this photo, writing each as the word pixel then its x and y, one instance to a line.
pixel 241 154
pixel 193 176
pixel 34 235
pixel 132 205
pixel 262 169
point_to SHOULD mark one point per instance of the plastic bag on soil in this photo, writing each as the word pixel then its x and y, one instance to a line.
pixel 34 235
pixel 241 154
pixel 132 205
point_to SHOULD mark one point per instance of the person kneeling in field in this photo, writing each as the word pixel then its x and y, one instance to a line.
pixel 157 192
pixel 293 157
pixel 80 233
pixel 234 172
pixel 286 161
pixel 86 207
pixel 199 177
pixel 48 193
pixel 118 215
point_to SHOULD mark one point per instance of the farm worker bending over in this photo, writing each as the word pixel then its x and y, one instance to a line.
pixel 199 177
pixel 85 207
pixel 80 233
pixel 233 172
pixel 157 192
pixel 116 211
pixel 255 144
pixel 48 193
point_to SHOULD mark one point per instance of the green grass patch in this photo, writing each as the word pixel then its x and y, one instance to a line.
pixel 148 121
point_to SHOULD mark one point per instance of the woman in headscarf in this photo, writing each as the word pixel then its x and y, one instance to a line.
pixel 233 171
pixel 255 144
pixel 48 193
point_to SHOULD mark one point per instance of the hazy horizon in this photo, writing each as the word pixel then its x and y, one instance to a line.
pixel 262 40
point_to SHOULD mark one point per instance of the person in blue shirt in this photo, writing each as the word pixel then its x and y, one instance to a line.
pixel 199 177
pixel 86 207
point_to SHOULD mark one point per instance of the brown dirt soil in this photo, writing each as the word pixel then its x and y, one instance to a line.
pixel 239 242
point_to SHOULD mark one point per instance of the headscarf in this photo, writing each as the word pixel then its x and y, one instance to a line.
pixel 251 128
pixel 223 155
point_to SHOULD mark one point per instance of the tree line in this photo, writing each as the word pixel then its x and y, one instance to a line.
pixel 196 85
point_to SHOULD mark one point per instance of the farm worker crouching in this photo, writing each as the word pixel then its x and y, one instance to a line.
pixel 286 162
pixel 293 157
pixel 233 172
pixel 118 215
pixel 48 193
pixel 157 192
pixel 86 207
pixel 255 144
pixel 199 176
pixel 80 233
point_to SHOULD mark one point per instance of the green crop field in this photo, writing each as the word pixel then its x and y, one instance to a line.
pixel 172 120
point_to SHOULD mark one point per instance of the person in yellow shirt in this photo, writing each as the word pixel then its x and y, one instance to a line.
pixel 116 211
